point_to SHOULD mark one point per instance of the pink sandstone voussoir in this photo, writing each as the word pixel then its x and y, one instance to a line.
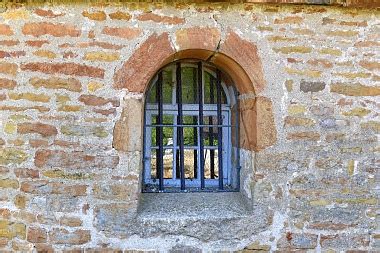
pixel 245 54
pixel 150 56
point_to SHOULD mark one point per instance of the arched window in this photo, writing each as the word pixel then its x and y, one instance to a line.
pixel 189 127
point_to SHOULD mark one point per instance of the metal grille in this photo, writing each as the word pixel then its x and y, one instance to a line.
pixel 188 131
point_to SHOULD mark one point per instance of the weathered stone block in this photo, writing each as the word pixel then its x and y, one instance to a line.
pixel 306 86
pixel 298 241
pixel 257 127
pixel 30 96
pixel 7 84
pixel 76 159
pixel 70 221
pixel 64 68
pixel 8 68
pixel 198 38
pixel 122 32
pixel 63 236
pixel 297 121
pixel 101 56
pixel 96 15
pixel 355 89
pixel 56 30
pixel 9 183
pixel 70 84
pixel 79 130
pixel 127 134
pixel 12 156
pixel 36 235
pixel 45 187
pixel 5 30
pixel 149 16
pixel 115 191
pixel 119 15
pixel 44 130
pixel 98 101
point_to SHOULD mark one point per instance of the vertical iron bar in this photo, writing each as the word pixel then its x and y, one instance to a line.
pixel 160 144
pixel 157 129
pixel 200 103
pixel 195 129
pixel 220 129
pixel 211 131
pixel 180 129
pixel 237 135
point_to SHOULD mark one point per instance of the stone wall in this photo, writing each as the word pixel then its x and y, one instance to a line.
pixel 72 81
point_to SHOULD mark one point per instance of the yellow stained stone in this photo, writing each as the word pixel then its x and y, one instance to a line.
pixel 102 56
pixel 372 125
pixel 16 14
pixel 358 111
pixel 331 51
pixel 62 98
pixel 10 128
pixel 20 201
pixel 17 117
pixel 354 75
pixel 94 86
pixel 45 54
pixel 296 109
pixel 30 96
pixel 62 174
pixel 289 85
pixel 70 108
pixel 351 167
pixel 9 183
pixel 293 49
pixel 320 202
pixel 10 155
pixel 307 72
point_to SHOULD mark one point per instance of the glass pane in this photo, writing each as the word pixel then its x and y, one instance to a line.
pixel 190 134
pixel 167 87
pixel 210 92
pixel 210 134
pixel 168 163
pixel 190 163
pixel 211 164
pixel 189 85
pixel 168 131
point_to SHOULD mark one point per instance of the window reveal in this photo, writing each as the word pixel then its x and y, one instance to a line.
pixel 188 131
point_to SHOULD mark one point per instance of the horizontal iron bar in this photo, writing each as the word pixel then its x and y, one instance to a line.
pixel 179 125
pixel 186 147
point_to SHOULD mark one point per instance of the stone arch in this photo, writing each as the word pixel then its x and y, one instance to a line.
pixel 237 57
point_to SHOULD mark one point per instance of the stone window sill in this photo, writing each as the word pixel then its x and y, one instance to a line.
pixel 178 206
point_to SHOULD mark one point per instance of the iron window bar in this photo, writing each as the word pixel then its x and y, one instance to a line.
pixel 180 125
pixel 200 103
pixel 180 122
pixel 220 120
pixel 160 156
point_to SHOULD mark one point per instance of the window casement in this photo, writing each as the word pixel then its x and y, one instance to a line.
pixel 189 126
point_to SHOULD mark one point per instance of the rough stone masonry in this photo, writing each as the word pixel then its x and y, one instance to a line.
pixel 72 80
